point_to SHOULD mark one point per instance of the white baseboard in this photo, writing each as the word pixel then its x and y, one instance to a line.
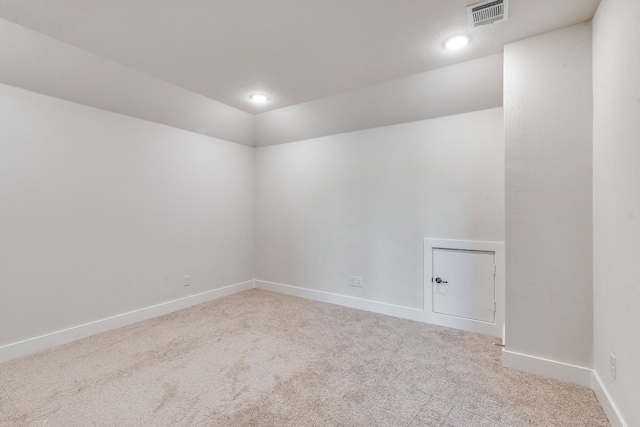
pixel 54 339
pixel 609 407
pixel 343 300
pixel 416 314
pixel 547 368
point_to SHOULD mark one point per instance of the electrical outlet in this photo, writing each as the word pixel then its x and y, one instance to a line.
pixel 612 360
pixel 352 280
pixel 187 280
pixel 359 281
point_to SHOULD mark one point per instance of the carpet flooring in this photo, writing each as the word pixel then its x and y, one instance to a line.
pixel 263 359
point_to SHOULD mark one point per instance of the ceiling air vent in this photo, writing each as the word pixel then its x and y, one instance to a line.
pixel 488 12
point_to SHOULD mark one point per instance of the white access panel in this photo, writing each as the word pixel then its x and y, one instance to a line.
pixel 464 283
pixel 473 299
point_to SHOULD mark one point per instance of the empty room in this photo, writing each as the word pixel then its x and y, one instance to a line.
pixel 320 213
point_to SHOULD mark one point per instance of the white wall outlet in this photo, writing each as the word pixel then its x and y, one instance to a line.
pixel 352 281
pixel 187 280
pixel 612 360
pixel 359 281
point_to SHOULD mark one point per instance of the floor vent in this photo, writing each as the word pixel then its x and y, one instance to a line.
pixel 488 12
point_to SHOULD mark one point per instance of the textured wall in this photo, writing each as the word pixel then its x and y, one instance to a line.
pixel 103 214
pixel 360 203
pixel 548 145
pixel 616 200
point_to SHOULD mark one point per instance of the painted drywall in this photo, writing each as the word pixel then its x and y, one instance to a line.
pixel 41 64
pixel 103 214
pixel 361 203
pixel 470 86
pixel 548 160
pixel 616 201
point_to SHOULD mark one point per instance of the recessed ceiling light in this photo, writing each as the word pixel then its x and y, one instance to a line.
pixel 259 98
pixel 457 42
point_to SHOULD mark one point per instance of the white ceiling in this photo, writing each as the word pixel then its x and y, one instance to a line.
pixel 293 50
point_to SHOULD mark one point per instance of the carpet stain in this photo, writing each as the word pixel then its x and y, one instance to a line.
pixel 243 390
pixel 170 392
pixel 233 374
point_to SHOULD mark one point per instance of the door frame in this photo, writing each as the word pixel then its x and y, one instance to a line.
pixel 496 328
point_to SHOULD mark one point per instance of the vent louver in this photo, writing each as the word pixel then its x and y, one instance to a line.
pixel 488 12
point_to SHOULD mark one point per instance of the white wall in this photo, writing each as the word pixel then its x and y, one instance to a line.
pixel 103 214
pixel 469 86
pixel 361 203
pixel 616 200
pixel 548 145
pixel 33 61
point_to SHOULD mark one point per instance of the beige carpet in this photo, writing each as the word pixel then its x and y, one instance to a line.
pixel 264 359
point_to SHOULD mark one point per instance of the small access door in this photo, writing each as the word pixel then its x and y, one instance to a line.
pixel 463 283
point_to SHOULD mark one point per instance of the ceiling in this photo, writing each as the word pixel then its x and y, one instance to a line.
pixel 293 50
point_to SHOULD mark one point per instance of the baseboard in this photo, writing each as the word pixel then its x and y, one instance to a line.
pixel 609 407
pixel 54 339
pixel 547 368
pixel 343 300
pixel 416 314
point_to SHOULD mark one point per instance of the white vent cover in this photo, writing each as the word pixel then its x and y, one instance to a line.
pixel 488 12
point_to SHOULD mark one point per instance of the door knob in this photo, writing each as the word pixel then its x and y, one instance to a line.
pixel 439 280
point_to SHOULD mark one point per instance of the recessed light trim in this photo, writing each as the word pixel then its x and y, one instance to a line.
pixel 259 98
pixel 457 42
